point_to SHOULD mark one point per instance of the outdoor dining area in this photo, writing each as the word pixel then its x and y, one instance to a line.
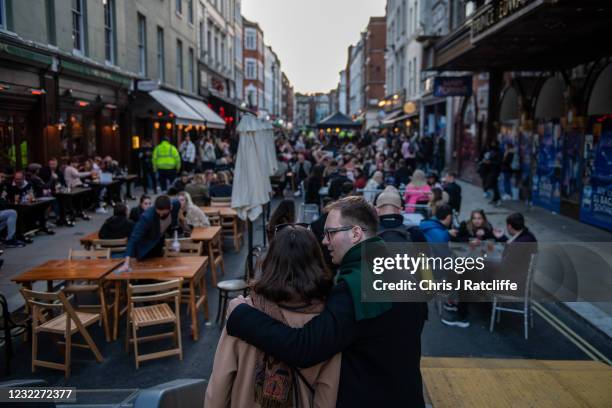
pixel 81 307
pixel 85 289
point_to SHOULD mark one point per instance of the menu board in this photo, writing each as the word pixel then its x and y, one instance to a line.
pixel 546 190
pixel 596 204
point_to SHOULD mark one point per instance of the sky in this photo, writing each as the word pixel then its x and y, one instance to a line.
pixel 311 37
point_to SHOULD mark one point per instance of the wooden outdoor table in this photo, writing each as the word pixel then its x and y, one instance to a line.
pixel 72 270
pixel 73 200
pixel 87 240
pixel 25 213
pixel 191 269
pixel 228 213
pixel 211 211
pixel 223 211
pixel 208 235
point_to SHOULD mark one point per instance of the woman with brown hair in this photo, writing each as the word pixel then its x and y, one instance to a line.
pixel 477 228
pixel 284 214
pixel 293 288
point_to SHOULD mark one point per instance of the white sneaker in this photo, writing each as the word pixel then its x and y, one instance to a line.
pixel 297 194
pixel 101 210
pixel 506 197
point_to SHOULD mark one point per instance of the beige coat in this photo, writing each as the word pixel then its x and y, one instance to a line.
pixel 232 380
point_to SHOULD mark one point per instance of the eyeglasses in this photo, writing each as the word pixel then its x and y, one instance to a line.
pixel 329 231
pixel 280 227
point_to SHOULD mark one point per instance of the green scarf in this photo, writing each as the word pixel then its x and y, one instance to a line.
pixel 350 272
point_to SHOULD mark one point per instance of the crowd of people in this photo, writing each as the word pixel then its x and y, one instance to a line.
pixel 307 338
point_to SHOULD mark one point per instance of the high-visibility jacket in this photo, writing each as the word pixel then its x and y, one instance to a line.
pixel 23 147
pixel 166 157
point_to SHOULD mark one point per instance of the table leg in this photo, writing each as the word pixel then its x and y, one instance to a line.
pixel 104 311
pixel 204 295
pixel 193 309
pixel 49 286
pixel 116 309
pixel 211 261
pixel 235 226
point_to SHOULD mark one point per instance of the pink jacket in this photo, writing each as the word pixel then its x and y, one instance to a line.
pixel 414 194
pixel 232 382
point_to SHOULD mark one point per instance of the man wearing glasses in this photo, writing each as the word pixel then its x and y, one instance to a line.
pixel 380 342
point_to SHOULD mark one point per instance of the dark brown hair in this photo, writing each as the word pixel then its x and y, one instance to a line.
pixel 294 268
pixel 284 214
pixel 355 210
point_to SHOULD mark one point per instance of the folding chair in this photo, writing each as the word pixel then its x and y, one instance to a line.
pixel 154 314
pixel 68 323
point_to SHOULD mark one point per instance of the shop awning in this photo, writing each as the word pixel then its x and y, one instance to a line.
pixel 529 35
pixel 391 118
pixel 213 120
pixel 184 114
pixel 338 120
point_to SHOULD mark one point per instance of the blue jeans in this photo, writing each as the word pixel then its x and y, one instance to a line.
pixel 8 219
pixel 508 183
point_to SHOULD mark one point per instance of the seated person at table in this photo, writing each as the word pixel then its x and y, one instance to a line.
pixel 336 183
pixel 118 226
pixel 51 174
pixel 437 198
pixel 136 212
pixel 72 175
pixel 221 188
pixel 198 190
pixel 21 190
pixel 476 229
pixel 293 287
pixel 391 226
pixel 181 182
pixel 190 215
pixel 147 239
pixel 8 219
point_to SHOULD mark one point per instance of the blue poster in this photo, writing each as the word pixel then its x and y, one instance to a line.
pixel 596 205
pixel 546 191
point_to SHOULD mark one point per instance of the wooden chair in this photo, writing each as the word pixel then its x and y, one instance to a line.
pixel 75 288
pixel 220 201
pixel 215 255
pixel 154 314
pixel 188 248
pixel 116 246
pixel 68 323
pixel 231 227
pixel 215 220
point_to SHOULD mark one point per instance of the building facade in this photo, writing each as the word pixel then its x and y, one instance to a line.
pixel 374 69
pixel 356 79
pixel 302 111
pixel 288 101
pixel 254 54
pixel 342 93
pixel 547 97
pixel 272 84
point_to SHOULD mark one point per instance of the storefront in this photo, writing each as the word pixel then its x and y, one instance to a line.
pixel 23 107
pixel 549 96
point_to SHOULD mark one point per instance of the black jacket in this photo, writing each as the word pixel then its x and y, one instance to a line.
pixel 380 356
pixel 116 227
pixel 454 195
pixel 464 234
pixel 335 187
pixel 135 214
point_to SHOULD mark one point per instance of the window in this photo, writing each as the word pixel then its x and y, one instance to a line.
pixel 179 6
pixel 2 15
pixel 142 44
pixel 216 54
pixel 179 64
pixel 109 30
pixel 161 59
pixel 251 69
pixel 190 11
pixel 201 38
pixel 223 51
pixel 78 31
pixel 250 39
pixel 209 43
pixel 191 77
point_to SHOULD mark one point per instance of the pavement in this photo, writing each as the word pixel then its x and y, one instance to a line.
pixel 548 228
pixel 549 339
